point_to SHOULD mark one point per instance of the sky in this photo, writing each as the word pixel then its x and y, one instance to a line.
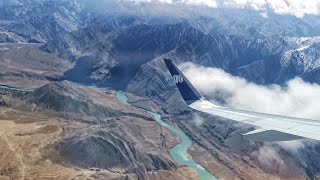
pixel 297 98
pixel 298 8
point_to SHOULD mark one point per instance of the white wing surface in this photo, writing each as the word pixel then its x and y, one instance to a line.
pixel 272 127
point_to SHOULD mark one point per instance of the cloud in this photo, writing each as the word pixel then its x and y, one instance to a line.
pixel 198 121
pixel 292 146
pixel 210 3
pixel 269 158
pixel 298 8
pixel 149 1
pixel 297 98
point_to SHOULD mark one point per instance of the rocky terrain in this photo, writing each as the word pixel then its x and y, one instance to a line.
pixel 264 61
pixel 41 140
pixel 99 39
pixel 24 65
pixel 75 54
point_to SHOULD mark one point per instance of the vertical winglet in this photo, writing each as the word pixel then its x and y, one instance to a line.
pixel 187 91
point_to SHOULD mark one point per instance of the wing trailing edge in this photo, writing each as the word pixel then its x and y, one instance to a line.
pixel 269 135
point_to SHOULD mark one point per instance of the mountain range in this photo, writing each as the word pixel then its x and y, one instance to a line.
pixel 75 53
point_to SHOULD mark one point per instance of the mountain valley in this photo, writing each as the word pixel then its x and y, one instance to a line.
pixel 72 57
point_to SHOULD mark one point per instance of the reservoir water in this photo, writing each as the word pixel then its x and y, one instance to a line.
pixel 178 152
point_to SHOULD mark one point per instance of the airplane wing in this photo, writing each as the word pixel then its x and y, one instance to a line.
pixel 272 127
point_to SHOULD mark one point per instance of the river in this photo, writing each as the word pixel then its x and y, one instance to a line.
pixel 15 89
pixel 178 152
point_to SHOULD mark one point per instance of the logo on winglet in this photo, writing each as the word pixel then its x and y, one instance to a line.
pixel 177 79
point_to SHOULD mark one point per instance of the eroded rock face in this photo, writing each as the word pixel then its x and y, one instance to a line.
pixel 103 133
pixel 67 97
pixel 128 143
pixel 3 102
pixel 75 102
pixel 108 150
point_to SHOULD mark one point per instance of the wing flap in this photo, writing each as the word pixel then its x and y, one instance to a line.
pixel 313 129
pixel 274 123
pixel 270 135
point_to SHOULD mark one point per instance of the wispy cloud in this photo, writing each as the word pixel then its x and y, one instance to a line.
pixel 298 8
pixel 297 98
pixel 269 158
pixel 198 120
pixel 292 146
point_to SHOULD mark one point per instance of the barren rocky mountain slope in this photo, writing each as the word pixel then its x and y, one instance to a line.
pixel 39 142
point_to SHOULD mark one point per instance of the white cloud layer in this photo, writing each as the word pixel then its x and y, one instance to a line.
pixel 298 8
pixel 297 99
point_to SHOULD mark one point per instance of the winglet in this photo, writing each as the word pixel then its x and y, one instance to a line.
pixel 187 91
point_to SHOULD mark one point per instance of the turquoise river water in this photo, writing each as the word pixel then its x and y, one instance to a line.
pixel 178 152
pixel 15 89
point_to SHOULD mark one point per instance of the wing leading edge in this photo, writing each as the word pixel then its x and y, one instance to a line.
pixel 272 127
